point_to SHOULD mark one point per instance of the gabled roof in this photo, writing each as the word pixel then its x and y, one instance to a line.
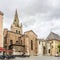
pixel 41 39
pixel 31 31
pixel 53 36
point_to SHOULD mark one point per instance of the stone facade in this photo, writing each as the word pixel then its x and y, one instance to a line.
pixel 18 42
pixel 42 47
pixel 33 42
pixel 52 42
pixel 1 29
pixel 49 46
pixel 52 47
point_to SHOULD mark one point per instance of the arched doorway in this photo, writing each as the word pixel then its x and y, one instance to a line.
pixel 44 50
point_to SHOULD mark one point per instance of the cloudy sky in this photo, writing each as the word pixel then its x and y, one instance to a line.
pixel 41 16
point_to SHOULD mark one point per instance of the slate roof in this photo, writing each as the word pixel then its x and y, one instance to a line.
pixel 53 36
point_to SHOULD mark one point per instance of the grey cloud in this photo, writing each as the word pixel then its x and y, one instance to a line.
pixel 42 16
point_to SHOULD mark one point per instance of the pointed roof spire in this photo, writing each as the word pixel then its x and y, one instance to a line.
pixel 16 14
pixel 16 19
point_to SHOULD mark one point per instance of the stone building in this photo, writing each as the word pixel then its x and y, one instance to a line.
pixel 41 47
pixel 52 42
pixel 49 46
pixel 20 43
pixel 1 29
pixel 33 42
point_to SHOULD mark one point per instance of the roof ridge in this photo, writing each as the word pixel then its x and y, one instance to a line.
pixel 53 35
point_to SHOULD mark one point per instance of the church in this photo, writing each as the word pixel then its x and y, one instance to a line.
pixel 21 43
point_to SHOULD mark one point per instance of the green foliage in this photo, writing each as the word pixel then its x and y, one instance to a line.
pixel 59 47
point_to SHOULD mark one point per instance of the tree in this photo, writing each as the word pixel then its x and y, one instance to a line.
pixel 59 47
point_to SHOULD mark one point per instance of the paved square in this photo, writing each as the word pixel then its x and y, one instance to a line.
pixel 37 58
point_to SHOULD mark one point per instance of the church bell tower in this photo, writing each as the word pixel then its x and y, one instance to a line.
pixel 16 27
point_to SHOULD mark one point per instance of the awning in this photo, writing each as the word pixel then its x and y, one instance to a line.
pixel 2 49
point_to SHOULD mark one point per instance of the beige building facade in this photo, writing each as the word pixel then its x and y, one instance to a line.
pixel 49 46
pixel 41 47
pixel 1 29
pixel 52 42
pixel 52 47
pixel 33 42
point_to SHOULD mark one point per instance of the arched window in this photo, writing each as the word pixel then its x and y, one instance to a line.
pixel 49 50
pixel 31 45
pixel 20 42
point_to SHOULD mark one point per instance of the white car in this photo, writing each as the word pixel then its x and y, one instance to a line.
pixel 57 55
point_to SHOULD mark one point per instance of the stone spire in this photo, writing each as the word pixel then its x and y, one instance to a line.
pixel 16 27
pixel 16 19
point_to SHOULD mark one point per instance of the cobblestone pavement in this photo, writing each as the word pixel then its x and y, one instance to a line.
pixel 36 58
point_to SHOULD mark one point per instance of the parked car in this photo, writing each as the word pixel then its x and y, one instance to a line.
pixel 2 57
pixel 12 56
pixel 56 55
pixel 8 57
